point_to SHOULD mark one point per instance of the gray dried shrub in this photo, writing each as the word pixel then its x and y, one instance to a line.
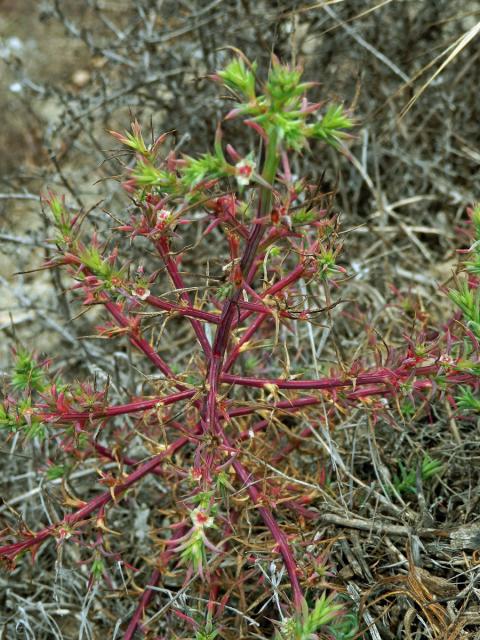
pixel 409 188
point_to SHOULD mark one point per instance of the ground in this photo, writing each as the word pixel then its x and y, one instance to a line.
pixel 73 70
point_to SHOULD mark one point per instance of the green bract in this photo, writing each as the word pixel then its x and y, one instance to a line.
pixel 308 622
pixel 330 127
pixel 237 77
pixel 283 85
pixel 283 106
pixel 27 373
pixel 407 481
pixel 466 401
pixel 98 265
pixel 56 471
pixel 147 175
pixel 468 300
pixel 207 166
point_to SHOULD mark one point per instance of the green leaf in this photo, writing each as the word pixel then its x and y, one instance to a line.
pixel 305 625
pixel 6 420
pixel 237 77
pixel 330 127
pixel 407 481
pixel 468 301
pixel 28 375
pixel 207 166
pixel 36 429
pixel 56 471
pixel 147 175
pixel 303 216
pixel 98 567
pixel 99 266
pixel 323 613
pixel 466 401
pixel 291 131
pixel 283 85
pixel 476 220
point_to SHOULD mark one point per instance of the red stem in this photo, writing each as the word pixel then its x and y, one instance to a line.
pixel 199 329
pixel 93 505
pixel 122 409
pixel 187 311
pixel 148 591
pixel 142 605
pixel 381 376
pixel 249 333
pixel 137 341
pixel 292 277
pixel 277 534
pixel 253 328
pixel 123 321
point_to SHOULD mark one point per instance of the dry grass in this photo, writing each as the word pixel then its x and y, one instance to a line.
pixel 410 562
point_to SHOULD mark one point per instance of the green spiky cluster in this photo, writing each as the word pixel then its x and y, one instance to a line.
pixel 282 106
pixel 466 401
pixel 99 266
pixel 22 419
pixel 28 375
pixel 406 481
pixel 467 296
pixel 147 175
pixel 306 624
pixel 331 127
pixel 238 77
pixel 207 165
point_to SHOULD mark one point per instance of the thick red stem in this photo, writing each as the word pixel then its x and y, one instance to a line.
pixel 137 341
pixel 187 311
pixel 199 329
pixel 382 376
pixel 142 605
pixel 277 534
pixel 121 409
pixel 93 505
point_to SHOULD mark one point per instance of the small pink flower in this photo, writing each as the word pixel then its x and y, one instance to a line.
pixel 163 217
pixel 201 519
pixel 244 171
pixel 196 475
pixel 141 293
